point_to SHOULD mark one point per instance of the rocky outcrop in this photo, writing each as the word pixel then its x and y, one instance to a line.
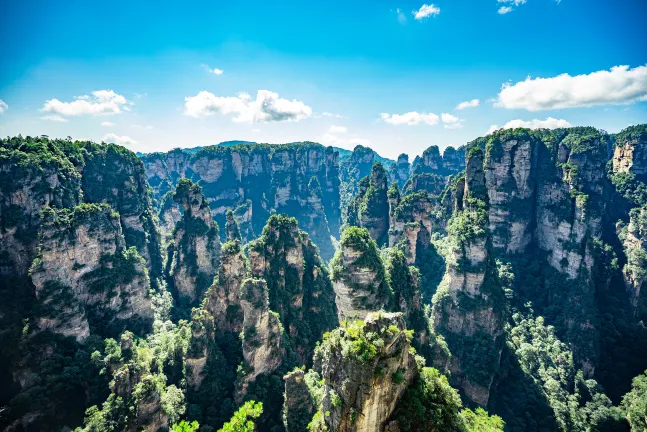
pixel 362 388
pixel 634 238
pixel 30 180
pixel 314 220
pixel 630 151
pixel 114 175
pixel 468 306
pixel 358 275
pixel 434 184
pixel 169 214
pixel 450 163
pixel 223 298
pixel 86 280
pixel 262 335
pixel 243 216
pixel 231 226
pixel 370 208
pixel 300 290
pixel 273 178
pixel 399 172
pixel 300 403
pixel 197 245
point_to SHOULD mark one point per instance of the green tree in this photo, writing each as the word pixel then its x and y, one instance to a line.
pixel 185 426
pixel 635 403
pixel 242 421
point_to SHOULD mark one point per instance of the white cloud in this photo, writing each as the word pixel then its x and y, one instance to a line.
pixel 511 4
pixel 54 118
pixel 121 140
pixel 468 104
pixel 549 123
pixel 411 118
pixel 107 123
pixel 620 85
pixel 450 121
pixel 217 71
pixel 337 129
pixel 101 102
pixel 426 11
pixel 267 107
pixel 448 118
pixel 3 106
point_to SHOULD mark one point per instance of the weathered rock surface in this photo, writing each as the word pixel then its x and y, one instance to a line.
pixel 300 290
pixel 84 276
pixel 274 178
pixel 400 170
pixel 197 245
pixel 361 390
pixel 468 306
pixel 263 344
pixel 370 208
pixel 223 297
pixel 358 275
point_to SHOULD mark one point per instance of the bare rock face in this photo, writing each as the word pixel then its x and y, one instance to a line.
pixel 300 403
pixel 370 208
pixel 169 214
pixel 468 306
pixel 263 344
pixel 84 276
pixel 197 245
pixel 29 182
pixel 399 173
pixel 511 176
pixel 314 220
pixel 116 176
pixel 300 290
pixel 630 151
pixel 451 162
pixel 634 238
pixel 362 388
pixel 358 275
pixel 254 181
pixel 223 298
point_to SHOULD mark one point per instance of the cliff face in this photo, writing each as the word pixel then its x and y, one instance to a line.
pixel 370 208
pixel 362 388
pixel 299 285
pixel 115 176
pixel 368 378
pixel 273 178
pixel 84 276
pixel 223 297
pixel 450 163
pixel 358 275
pixel 630 151
pixel 197 245
pixel 468 306
pixel 399 172
pixel 547 196
pixel 32 177
pixel 634 238
pixel 262 337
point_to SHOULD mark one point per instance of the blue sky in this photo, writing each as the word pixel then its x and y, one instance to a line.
pixel 340 73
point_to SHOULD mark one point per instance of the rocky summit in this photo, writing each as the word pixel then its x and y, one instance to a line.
pixel 499 285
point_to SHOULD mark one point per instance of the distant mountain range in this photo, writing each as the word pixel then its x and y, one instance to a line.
pixel 344 154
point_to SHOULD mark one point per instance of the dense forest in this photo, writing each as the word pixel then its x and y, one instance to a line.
pixel 501 285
